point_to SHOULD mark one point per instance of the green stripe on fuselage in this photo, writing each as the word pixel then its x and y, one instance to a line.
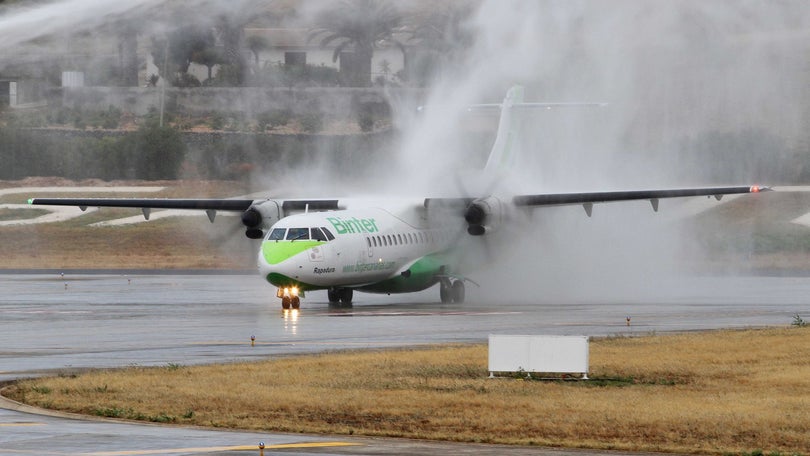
pixel 275 252
pixel 423 275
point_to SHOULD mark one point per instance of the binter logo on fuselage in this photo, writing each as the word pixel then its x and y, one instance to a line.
pixel 354 225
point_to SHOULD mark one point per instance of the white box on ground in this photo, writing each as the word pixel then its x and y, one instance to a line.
pixel 549 354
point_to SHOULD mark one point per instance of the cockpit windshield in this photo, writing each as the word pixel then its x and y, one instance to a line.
pixel 277 234
pixel 297 234
pixel 318 235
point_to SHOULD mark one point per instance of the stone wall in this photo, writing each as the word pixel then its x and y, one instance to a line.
pixel 246 100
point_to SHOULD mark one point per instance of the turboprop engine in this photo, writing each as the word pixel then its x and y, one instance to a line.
pixel 484 215
pixel 260 216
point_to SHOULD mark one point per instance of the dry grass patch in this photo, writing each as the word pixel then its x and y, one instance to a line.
pixel 175 243
pixel 718 392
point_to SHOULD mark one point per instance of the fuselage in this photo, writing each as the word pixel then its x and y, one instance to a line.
pixel 369 249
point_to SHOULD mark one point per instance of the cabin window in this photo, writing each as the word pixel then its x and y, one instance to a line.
pixel 399 237
pixel 390 241
pixel 297 234
pixel 375 241
pixel 328 233
pixel 277 234
pixel 368 241
pixel 318 235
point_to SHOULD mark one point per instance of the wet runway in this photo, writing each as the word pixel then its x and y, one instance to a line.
pixel 48 323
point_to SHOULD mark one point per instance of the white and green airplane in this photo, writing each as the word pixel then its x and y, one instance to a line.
pixel 388 245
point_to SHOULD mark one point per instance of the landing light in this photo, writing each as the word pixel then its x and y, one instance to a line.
pixel 288 292
pixel 755 189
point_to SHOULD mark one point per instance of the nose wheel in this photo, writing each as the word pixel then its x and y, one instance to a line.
pixel 290 302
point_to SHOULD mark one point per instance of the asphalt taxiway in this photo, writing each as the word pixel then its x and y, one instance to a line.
pixel 50 322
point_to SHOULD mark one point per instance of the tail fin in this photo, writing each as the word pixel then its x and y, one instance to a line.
pixel 505 149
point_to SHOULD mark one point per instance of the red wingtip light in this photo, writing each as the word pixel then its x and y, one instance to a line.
pixel 755 189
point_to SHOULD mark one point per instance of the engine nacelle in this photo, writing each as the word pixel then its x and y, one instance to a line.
pixel 483 215
pixel 260 216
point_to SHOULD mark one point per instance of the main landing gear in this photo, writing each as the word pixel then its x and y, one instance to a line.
pixel 451 291
pixel 341 296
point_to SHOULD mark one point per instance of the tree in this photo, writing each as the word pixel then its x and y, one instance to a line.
pixel 443 34
pixel 128 55
pixel 184 43
pixel 207 57
pixel 358 26
pixel 257 44
pixel 230 29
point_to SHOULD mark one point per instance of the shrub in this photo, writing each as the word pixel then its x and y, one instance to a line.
pixel 186 80
pixel 311 123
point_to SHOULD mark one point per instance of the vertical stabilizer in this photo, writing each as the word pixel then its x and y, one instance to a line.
pixel 506 148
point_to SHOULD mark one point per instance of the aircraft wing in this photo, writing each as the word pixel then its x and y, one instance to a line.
pixel 210 206
pixel 256 214
pixel 590 198
pixel 482 214
pixel 151 203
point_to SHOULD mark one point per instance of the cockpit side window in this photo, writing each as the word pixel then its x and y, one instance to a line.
pixel 297 234
pixel 328 233
pixel 277 234
pixel 317 234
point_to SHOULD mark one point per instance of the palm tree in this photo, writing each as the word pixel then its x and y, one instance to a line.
pixel 230 28
pixel 359 26
pixel 257 44
pixel 444 34
pixel 128 55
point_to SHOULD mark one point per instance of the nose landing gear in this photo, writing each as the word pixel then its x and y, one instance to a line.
pixel 290 298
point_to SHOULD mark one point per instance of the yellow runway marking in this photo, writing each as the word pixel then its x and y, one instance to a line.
pixel 224 448
pixel 20 424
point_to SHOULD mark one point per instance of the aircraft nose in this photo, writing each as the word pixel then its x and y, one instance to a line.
pixel 287 258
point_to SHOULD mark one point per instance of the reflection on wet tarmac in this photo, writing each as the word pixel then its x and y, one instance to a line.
pixel 290 317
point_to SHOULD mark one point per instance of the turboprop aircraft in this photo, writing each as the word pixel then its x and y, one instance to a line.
pixel 388 245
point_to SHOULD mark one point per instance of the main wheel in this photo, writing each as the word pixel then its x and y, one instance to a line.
pixel 334 295
pixel 346 295
pixel 458 291
pixel 445 292
pixel 285 302
pixel 295 302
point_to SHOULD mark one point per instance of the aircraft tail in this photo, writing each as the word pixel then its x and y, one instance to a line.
pixel 505 149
